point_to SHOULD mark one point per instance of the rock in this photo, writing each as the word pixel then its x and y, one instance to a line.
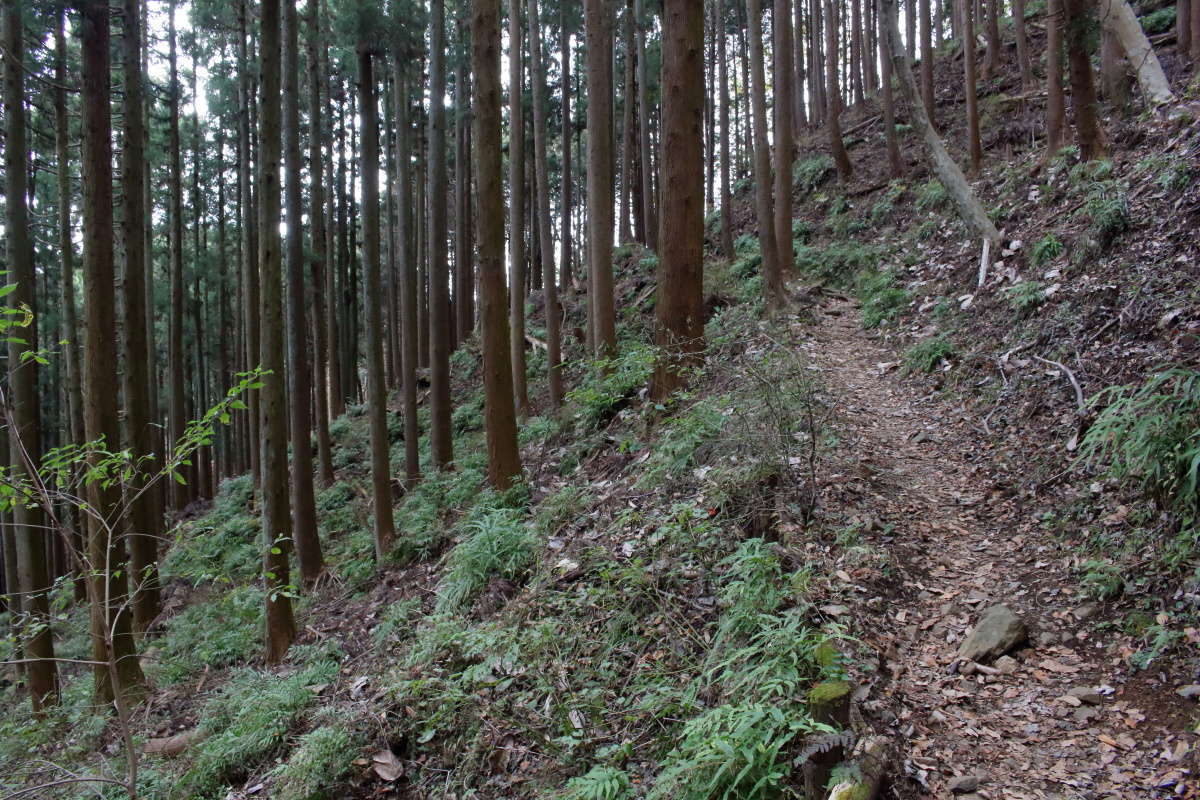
pixel 835 610
pixel 1085 714
pixel 1086 694
pixel 965 784
pixel 1086 611
pixel 998 631
pixel 1007 665
pixel 1189 692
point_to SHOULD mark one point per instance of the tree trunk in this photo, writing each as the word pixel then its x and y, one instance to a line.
pixel 564 272
pixel 304 511
pixel 516 209
pixel 856 52
pixel 500 424
pixel 768 244
pixel 464 252
pixel 176 354
pixel 650 206
pixel 120 675
pixel 250 278
pixel 545 232
pixel 144 521
pixel 785 142
pixel 1088 133
pixel 625 231
pixel 888 103
pixel 926 62
pixel 441 443
pixel 723 92
pixel 974 146
pixel 1183 28
pixel 316 215
pixel 598 25
pixel 965 202
pixel 408 274
pixel 277 523
pixel 25 432
pixel 679 310
pixel 799 96
pixel 833 96
pixel 1024 64
pixel 993 38
pixel 1122 24
pixel 1056 113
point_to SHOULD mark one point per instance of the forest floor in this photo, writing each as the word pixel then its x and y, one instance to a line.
pixel 1061 717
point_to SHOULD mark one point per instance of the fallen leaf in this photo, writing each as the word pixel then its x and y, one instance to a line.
pixel 386 765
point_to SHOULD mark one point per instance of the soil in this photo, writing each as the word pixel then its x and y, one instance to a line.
pixel 960 541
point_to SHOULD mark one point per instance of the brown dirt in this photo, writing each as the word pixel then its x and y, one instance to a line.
pixel 960 541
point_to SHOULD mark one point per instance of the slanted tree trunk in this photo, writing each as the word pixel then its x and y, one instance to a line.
pixel 304 510
pixel 974 146
pixel 408 274
pixel 441 443
pixel 545 232
pixel 119 675
pixel 772 272
pixel 516 209
pixel 965 202
pixel 381 481
pixel 833 96
pixel 1024 63
pixel 888 103
pixel 144 521
pixel 1089 135
pixel 316 174
pixel 1122 24
pixel 500 423
pixel 277 523
pixel 25 432
pixel 785 143
pixel 598 24
pixel 723 101
pixel 1056 113
pixel 679 310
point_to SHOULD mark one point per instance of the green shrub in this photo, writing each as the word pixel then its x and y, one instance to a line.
pixel 320 760
pixel 1046 249
pixel 1149 435
pixel 886 204
pixel 560 509
pixel 931 195
pixel 812 172
pixel 926 354
pixel 679 441
pixel 222 631
pixel 599 783
pixel 1159 21
pixel 221 546
pixel 1107 208
pixel 927 230
pixel 837 263
pixel 610 382
pixel 751 588
pixel 1102 580
pixel 882 300
pixel 468 416
pixel 1171 173
pixel 398 621
pixel 1087 173
pixel 1025 296
pixel 496 544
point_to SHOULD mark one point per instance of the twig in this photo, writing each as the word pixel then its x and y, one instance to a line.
pixel 1071 377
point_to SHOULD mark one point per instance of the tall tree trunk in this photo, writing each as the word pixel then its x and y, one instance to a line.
pixel 200 484
pixel 564 272
pixel 120 676
pixel 992 65
pixel 773 287
pixel 650 205
pixel 277 523
pixel 145 524
pixel 895 160
pixel 408 273
pixel 304 510
pixel 250 278
pixel 224 321
pixel 799 96
pixel 785 142
pixel 856 53
pixel 1183 28
pixel 1024 63
pixel 464 247
pixel 679 310
pixel 545 232
pixel 316 215
pixel 1056 112
pixel 516 209
pixel 381 481
pixel 625 231
pixel 441 443
pixel 25 428
pixel 926 62
pixel 723 91
pixel 598 24
pixel 833 97
pixel 1089 134
pixel 948 172
pixel 176 353
pixel 974 146
pixel 500 424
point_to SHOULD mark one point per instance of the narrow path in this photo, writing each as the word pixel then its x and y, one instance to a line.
pixel 961 541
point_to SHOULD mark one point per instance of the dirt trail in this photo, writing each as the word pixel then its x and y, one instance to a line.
pixel 961 543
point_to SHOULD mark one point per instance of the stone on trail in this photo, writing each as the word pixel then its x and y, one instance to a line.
pixel 965 784
pixel 998 631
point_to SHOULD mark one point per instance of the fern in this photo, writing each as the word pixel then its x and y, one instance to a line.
pixel 600 783
pixel 498 544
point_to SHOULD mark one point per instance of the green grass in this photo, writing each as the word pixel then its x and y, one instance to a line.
pixel 321 758
pixel 932 195
pixel 219 632
pixel 812 171
pixel 1025 297
pixel 837 263
pixel 497 543
pixel 610 382
pixel 1046 249
pixel 882 300
pixel 927 354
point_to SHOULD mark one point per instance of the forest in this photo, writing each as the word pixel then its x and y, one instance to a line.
pixel 689 399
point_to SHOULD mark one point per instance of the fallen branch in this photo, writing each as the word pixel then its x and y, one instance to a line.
pixel 1071 377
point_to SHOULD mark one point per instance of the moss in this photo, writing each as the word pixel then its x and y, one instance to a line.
pixel 827 693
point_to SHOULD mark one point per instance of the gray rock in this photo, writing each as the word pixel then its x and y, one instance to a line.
pixel 1086 611
pixel 1189 692
pixel 1086 694
pixel 1007 665
pixel 1085 714
pixel 998 631
pixel 965 784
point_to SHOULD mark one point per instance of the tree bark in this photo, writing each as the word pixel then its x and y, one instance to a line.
pixel 564 272
pixel 650 205
pixel 833 96
pixel 1088 133
pixel 120 674
pixel 679 309
pixel 768 245
pixel 441 443
pixel 926 62
pixel 598 25
pixel 464 235
pixel 1024 63
pixel 1056 113
pixel 974 146
pixel 785 142
pixel 888 103
pixel 25 432
pixel 1122 24
pixel 176 354
pixel 516 209
pixel 408 274
pixel 277 523
pixel 499 411
pixel 723 92
pixel 316 215
pixel 993 38
pixel 1183 28
pixel 965 202
pixel 250 278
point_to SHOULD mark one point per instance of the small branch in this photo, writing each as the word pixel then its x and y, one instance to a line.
pixel 1079 401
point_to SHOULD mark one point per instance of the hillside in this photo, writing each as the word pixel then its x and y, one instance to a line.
pixel 762 586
